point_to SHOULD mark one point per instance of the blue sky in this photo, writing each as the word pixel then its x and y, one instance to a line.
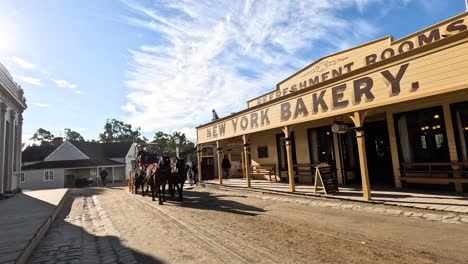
pixel 163 65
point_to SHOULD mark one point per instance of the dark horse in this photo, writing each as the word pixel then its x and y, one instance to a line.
pixel 177 179
pixel 157 175
pixel 140 179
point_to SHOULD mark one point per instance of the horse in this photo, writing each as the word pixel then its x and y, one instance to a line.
pixel 156 177
pixel 177 178
pixel 140 179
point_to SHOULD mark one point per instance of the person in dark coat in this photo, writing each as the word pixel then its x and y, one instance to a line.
pixel 226 165
pixel 103 174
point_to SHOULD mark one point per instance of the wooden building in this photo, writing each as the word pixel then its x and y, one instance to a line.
pixel 390 112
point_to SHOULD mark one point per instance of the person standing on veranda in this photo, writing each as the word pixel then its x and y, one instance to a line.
pixel 226 165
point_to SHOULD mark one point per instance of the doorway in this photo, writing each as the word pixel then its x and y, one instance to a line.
pixel 379 158
pixel 282 156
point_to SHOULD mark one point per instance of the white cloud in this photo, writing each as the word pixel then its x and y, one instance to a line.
pixel 65 84
pixel 31 80
pixel 129 108
pixel 41 105
pixel 22 63
pixel 219 54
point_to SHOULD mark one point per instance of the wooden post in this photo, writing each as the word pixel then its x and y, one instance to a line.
pixel 97 176
pixel 245 139
pixel 287 133
pixel 199 161
pixel 229 150
pixel 394 149
pixel 358 120
pixel 112 175
pixel 451 144
pixel 243 163
pixel 220 169
pixel 337 156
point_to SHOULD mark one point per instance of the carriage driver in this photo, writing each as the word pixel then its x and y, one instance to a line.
pixel 142 156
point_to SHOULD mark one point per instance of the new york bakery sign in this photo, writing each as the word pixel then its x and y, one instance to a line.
pixel 380 87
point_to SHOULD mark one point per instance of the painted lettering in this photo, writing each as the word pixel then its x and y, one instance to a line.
pixel 208 133
pixel 314 81
pixel 285 111
pixel 388 51
pixel 264 117
pixel 325 76
pixel 318 101
pixel 408 44
pixel 253 120
pixel 395 81
pixel 362 87
pixel 234 124
pixel 455 26
pixel 244 123
pixel 348 66
pixel 215 134
pixel 222 128
pixel 337 72
pixel 371 59
pixel 302 85
pixel 301 109
pixel 337 95
pixel 433 36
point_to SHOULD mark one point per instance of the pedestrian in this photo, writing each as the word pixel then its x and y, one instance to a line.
pixel 226 165
pixel 190 175
pixel 103 175
pixel 195 173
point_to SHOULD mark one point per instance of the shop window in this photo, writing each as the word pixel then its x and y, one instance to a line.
pixel 262 152
pixel 422 136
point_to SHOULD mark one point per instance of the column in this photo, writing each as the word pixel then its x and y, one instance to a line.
pixel 358 119
pixel 243 163
pixel 394 149
pixel 113 174
pixel 337 156
pixel 219 152
pixel 229 150
pixel 11 154
pixel 287 134
pixel 3 109
pixel 245 140
pixel 452 144
pixel 199 160
pixel 19 148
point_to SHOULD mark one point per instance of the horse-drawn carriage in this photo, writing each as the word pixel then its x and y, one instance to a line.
pixel 153 169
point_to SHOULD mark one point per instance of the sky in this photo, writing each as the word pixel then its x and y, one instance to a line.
pixel 164 65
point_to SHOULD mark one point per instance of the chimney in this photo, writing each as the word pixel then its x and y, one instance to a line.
pixel 57 141
pixel 215 116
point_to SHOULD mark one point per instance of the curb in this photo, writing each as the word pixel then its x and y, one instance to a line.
pixel 37 237
pixel 317 196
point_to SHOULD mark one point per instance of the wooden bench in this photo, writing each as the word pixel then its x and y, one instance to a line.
pixel 264 170
pixel 304 170
pixel 434 172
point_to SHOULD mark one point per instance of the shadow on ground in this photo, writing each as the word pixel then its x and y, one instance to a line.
pixel 71 243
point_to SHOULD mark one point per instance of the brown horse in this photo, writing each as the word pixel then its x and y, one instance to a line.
pixel 156 177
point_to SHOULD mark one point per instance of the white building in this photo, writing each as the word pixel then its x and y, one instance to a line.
pixel 12 105
pixel 62 164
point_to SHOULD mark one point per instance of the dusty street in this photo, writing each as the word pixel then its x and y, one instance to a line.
pixel 215 226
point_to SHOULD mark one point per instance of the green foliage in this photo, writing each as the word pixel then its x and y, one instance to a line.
pixel 167 143
pixel 73 135
pixel 43 136
pixel 118 131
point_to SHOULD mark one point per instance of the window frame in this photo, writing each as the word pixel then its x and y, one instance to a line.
pixel 49 175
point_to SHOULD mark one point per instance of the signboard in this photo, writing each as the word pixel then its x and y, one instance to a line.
pixel 326 178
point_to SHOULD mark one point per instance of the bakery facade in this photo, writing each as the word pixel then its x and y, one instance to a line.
pixel 388 112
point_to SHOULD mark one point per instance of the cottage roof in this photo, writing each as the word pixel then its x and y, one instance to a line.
pixel 37 153
pixel 83 163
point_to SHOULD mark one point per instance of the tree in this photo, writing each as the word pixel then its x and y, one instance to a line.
pixel 43 137
pixel 118 131
pixel 167 143
pixel 73 135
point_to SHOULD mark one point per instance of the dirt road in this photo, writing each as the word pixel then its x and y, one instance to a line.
pixel 213 226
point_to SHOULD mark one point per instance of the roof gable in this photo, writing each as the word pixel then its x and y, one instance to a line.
pixel 37 153
pixel 103 150
pixel 66 151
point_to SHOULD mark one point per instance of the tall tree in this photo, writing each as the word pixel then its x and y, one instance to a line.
pixel 72 135
pixel 118 131
pixel 43 137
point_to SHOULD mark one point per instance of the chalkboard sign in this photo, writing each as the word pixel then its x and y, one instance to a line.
pixel 325 176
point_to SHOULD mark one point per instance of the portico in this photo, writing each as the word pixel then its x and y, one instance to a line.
pixel 12 105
